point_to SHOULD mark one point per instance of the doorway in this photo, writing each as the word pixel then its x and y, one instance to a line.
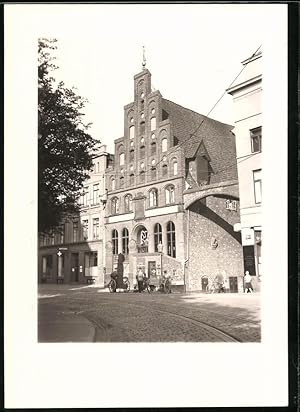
pixel 151 269
pixel 74 267
pixel 233 284
pixel 204 283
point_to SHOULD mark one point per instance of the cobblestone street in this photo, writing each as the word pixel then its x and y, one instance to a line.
pixel 88 314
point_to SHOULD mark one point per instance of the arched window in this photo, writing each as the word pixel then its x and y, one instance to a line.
pixel 153 198
pixel 157 236
pixel 142 127
pixel 114 205
pixel 122 181
pixel 153 123
pixel 125 241
pixel 171 241
pixel 164 170
pixel 122 158
pixel 153 173
pixel 142 240
pixel 131 179
pixel 164 144
pixel 131 155
pixel 153 148
pixel 142 152
pixel 170 194
pixel 175 168
pixel 131 132
pixel 115 242
pixel 128 203
pixel 113 184
pixel 142 176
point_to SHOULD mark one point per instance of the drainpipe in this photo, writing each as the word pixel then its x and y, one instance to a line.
pixel 187 249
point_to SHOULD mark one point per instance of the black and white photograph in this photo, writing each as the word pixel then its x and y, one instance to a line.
pixel 146 165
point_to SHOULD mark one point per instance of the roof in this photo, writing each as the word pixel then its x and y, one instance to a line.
pixel 192 128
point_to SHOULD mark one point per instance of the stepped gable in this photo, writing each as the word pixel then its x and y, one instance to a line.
pixel 217 138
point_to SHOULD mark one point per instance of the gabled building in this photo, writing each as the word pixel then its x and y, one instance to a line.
pixel 173 194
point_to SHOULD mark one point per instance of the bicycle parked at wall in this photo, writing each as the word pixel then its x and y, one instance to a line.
pixel 112 286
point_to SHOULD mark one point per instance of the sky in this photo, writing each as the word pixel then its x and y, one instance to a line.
pixel 192 51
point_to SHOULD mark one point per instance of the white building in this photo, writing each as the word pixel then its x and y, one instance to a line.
pixel 247 96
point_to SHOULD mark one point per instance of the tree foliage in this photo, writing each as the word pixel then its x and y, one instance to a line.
pixel 65 149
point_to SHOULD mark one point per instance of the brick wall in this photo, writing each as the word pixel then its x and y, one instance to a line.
pixel 209 221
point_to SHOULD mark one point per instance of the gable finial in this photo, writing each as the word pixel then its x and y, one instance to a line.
pixel 144 58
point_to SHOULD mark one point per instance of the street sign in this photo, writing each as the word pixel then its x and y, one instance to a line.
pixel 62 248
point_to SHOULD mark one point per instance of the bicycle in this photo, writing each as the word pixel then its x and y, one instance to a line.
pixel 112 286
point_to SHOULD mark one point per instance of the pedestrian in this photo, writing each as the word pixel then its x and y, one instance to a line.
pixel 140 280
pixel 248 285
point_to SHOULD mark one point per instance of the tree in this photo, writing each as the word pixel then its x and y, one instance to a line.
pixel 65 149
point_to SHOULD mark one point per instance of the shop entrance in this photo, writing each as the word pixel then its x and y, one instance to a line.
pixel 233 284
pixel 74 267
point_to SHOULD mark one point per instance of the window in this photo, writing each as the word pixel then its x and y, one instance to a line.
pixel 164 144
pixel 114 205
pixel 153 148
pixel 153 123
pixel 61 234
pixel 131 180
pixel 75 231
pixel 157 236
pixel 257 185
pixel 153 173
pixel 122 159
pixel 164 170
pixel 131 155
pixel 85 229
pixel 95 194
pixel 255 135
pixel 125 241
pixel 96 228
pixel 52 239
pixel 142 152
pixel 131 132
pixel 128 203
pixel 170 194
pixel 47 264
pixel 142 176
pixel 113 184
pixel 171 241
pixel 90 261
pixel 115 240
pixel 153 198
pixel 175 170
pixel 142 127
pixel 122 181
pixel 85 196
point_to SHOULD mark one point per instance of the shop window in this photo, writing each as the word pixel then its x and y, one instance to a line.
pixel 115 242
pixel 171 240
pixel 90 262
pixel 157 236
pixel 125 241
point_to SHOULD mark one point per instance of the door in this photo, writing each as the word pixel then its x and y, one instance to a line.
pixel 74 267
pixel 233 284
pixel 204 283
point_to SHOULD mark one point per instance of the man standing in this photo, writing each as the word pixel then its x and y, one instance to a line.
pixel 140 280
pixel 248 285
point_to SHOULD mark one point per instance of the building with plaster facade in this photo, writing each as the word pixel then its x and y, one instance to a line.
pixel 247 97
